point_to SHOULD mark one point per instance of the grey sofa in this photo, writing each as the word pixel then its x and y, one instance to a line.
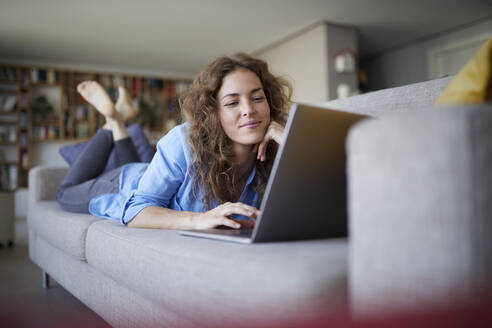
pixel 140 277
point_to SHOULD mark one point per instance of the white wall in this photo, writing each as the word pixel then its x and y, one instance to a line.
pixel 46 153
pixel 302 59
pixel 409 64
pixel 307 60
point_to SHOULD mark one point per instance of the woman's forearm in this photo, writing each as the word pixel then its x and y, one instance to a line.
pixel 155 217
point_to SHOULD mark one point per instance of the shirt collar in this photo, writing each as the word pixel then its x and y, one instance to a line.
pixel 251 176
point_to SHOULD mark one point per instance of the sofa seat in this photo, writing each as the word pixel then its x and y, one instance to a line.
pixel 66 232
pixel 201 278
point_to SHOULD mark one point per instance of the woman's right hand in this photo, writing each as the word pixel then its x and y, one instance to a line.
pixel 221 216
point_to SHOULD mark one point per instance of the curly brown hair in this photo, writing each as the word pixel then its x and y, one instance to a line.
pixel 212 169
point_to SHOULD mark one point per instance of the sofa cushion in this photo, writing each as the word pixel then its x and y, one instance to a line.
pixel 64 230
pixel 412 97
pixel 200 278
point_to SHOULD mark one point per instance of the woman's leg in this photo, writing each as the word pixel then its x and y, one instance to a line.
pixel 125 107
pixel 76 198
pixel 125 150
pixel 92 161
pixel 83 181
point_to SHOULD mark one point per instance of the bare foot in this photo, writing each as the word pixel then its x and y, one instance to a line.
pixel 124 105
pixel 95 95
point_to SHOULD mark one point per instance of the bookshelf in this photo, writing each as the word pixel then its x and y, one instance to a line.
pixel 40 104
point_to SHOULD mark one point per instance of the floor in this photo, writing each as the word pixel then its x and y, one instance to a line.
pixel 23 301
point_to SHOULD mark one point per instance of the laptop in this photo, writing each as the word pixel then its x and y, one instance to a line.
pixel 305 197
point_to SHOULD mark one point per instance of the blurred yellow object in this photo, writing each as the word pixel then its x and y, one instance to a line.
pixel 473 84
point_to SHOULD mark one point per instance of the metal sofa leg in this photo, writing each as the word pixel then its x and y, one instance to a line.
pixel 46 280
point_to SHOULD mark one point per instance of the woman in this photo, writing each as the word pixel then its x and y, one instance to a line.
pixel 208 172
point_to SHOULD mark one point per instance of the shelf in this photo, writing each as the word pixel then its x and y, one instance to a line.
pixel 46 84
pixel 38 140
pixel 9 163
pixel 45 123
pixel 76 119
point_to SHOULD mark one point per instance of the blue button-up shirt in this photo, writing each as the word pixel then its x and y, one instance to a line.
pixel 165 181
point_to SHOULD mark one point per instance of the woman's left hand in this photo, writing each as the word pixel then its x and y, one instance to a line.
pixel 274 132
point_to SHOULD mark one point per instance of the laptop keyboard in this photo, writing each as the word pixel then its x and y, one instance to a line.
pixel 230 232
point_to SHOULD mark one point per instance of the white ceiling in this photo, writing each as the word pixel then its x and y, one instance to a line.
pixel 180 36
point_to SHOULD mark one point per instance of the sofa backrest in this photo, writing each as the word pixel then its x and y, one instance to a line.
pixel 417 96
pixel 44 182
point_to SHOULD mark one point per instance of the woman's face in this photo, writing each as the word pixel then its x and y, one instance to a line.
pixel 243 108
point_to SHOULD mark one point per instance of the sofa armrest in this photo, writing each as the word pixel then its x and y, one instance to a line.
pixel 420 190
pixel 44 182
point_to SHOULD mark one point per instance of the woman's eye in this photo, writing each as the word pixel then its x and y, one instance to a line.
pixel 258 98
pixel 232 103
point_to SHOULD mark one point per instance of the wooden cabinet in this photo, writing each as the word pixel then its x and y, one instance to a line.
pixel 41 104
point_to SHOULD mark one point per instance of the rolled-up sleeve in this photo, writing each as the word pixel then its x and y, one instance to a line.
pixel 161 180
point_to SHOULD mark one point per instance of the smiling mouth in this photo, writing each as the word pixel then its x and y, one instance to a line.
pixel 250 124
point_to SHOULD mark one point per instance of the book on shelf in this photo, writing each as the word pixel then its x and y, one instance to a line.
pixel 82 111
pixel 24 160
pixel 8 133
pixel 65 102
pixel 38 75
pixel 156 84
pixel 24 100
pixel 50 76
pixel 137 87
pixel 7 103
pixel 82 130
pixel 46 132
pixel 171 107
pixel 23 139
pixel 25 78
pixel 8 73
pixel 13 176
pixel 24 119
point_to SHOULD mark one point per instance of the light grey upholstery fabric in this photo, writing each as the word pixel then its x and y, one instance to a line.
pixel 64 230
pixel 118 305
pixel 413 97
pixel 44 182
pixel 420 190
pixel 220 282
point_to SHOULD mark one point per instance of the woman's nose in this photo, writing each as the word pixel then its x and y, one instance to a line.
pixel 248 108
